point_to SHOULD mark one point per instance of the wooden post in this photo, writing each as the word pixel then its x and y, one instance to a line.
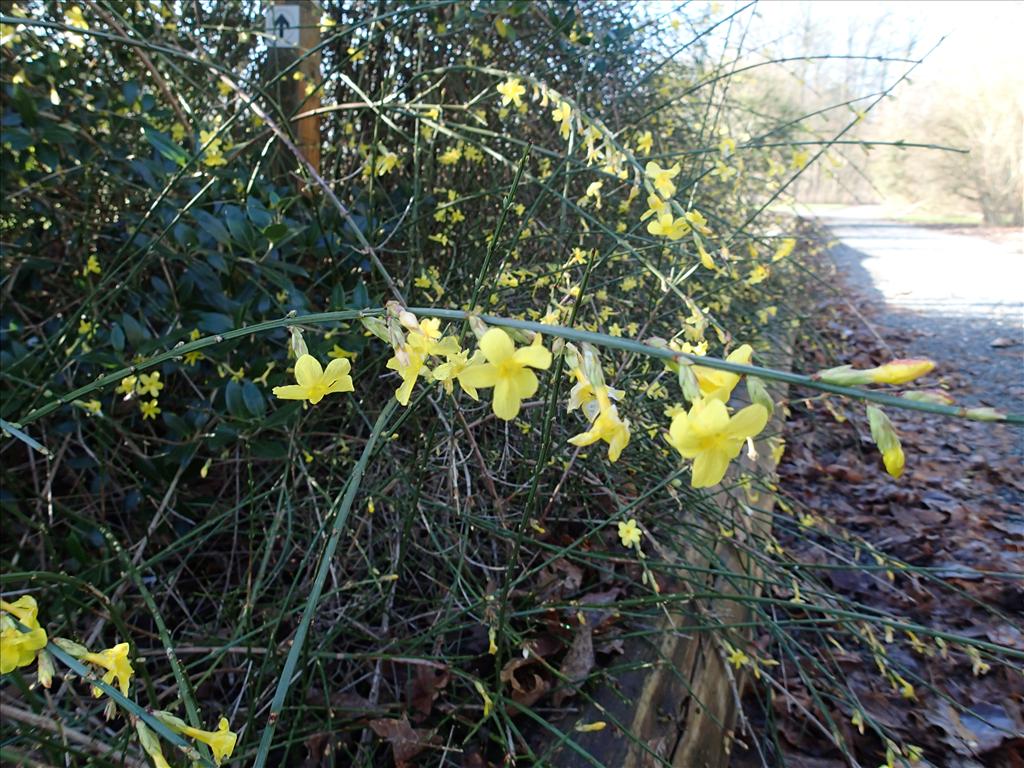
pixel 293 28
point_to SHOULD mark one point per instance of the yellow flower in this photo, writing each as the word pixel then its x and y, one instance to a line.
pixel 221 742
pixel 212 155
pixel 92 406
pixel 313 381
pixel 758 275
pixel 149 409
pixel 386 161
pixel 656 207
pixel 719 384
pixel 149 384
pixel 507 370
pixel 511 92
pixel 85 328
pixel 785 248
pixel 563 114
pixel 594 191
pixel 607 426
pixel 709 436
pixel 698 222
pixel 723 171
pixel 645 142
pixel 339 352
pixel 17 648
pixel 738 658
pixel 451 371
pixel 451 156
pixel 115 661
pixel 705 257
pixel 662 178
pixel 193 357
pixel 668 226
pixel 92 266
pixel 74 18
pixel 630 533
pixel 127 385
pixel 423 341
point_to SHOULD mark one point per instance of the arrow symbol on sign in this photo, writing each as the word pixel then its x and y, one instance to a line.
pixel 281 24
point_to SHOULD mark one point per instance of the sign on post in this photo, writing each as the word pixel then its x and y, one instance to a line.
pixel 293 70
pixel 282 25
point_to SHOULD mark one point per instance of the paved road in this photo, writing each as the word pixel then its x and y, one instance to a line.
pixel 944 295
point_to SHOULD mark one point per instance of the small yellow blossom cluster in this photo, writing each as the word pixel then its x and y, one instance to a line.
pixel 663 221
pixel 379 163
pixel 594 398
pixel 20 647
pixel 142 385
pixel 213 152
pixel 706 433
pixel 448 215
pixel 25 645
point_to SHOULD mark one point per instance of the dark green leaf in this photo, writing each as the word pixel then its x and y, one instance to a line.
pixel 212 226
pixel 162 144
pixel 253 398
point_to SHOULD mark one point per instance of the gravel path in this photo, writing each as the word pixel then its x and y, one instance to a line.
pixel 942 294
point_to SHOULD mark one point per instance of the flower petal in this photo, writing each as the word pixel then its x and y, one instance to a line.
pixel 290 392
pixel 585 438
pixel 709 416
pixel 679 432
pixel 708 469
pixel 337 368
pixel 497 346
pixel 620 439
pixel 748 422
pixel 341 384
pixel 741 354
pixel 308 370
pixel 506 404
pixel 483 375
pixel 404 392
pixel 524 383
pixel 535 356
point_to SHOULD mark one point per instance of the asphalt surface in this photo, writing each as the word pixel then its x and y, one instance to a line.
pixel 943 294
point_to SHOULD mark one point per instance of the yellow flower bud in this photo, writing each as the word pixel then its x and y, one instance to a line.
pixel 901 371
pixel 888 442
pixel 933 396
pixel 985 414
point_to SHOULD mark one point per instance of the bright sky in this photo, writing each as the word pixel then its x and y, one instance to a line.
pixel 980 32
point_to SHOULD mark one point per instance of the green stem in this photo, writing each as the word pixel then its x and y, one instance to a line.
pixel 571 334
pixel 341 510
pixel 126 704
